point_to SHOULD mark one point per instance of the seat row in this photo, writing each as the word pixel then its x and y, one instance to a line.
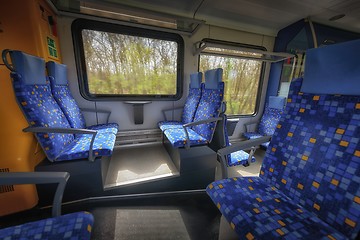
pixel 309 183
pixel 202 114
pixel 52 112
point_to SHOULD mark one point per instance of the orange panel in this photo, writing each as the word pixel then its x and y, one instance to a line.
pixel 23 26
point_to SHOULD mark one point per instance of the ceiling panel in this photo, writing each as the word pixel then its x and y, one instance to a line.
pixel 185 8
pixel 260 16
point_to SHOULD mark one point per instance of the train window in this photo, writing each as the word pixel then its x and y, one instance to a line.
pixel 127 63
pixel 242 75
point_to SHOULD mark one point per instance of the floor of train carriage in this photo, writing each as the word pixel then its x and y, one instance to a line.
pixel 140 157
pixel 177 215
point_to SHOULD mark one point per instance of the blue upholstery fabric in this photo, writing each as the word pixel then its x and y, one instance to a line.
pixel 105 128
pixel 309 185
pixel 256 210
pixel 191 104
pixel 235 158
pixel 163 125
pixel 269 119
pixel 277 102
pixel 61 92
pixel 75 226
pixel 322 141
pixel 334 64
pixel 79 148
pixel 58 71
pixel 209 107
pixel 41 110
pixel 33 68
pixel 177 137
pixel 213 77
pixel 239 158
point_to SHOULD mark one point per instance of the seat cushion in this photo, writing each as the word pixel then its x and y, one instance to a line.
pixel 105 128
pixel 239 158
pixel 252 135
pixel 177 137
pixel 70 226
pixel 163 125
pixel 256 210
pixel 79 148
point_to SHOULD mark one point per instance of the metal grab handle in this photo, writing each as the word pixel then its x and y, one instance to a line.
pixel 7 64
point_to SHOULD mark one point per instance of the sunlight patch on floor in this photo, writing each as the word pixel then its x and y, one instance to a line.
pixel 150 224
pixel 126 176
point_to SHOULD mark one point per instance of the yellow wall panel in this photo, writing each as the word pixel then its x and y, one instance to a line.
pixel 23 26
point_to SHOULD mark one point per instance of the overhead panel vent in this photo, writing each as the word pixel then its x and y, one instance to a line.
pixel 6 188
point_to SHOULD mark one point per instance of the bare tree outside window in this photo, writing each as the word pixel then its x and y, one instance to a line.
pixel 241 77
pixel 118 64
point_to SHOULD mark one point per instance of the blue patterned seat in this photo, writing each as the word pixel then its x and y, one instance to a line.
pixel 60 89
pixel 190 106
pixel 70 226
pixel 236 158
pixel 309 183
pixel 201 130
pixel 74 226
pixel 46 119
pixel 268 121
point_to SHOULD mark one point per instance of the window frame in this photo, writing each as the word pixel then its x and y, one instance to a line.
pixel 262 71
pixel 85 24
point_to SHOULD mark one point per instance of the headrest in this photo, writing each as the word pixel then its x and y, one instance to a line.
pixel 213 77
pixel 333 69
pixel 276 102
pixel 58 72
pixel 195 80
pixel 31 68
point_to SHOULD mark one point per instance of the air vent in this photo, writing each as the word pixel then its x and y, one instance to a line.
pixel 6 188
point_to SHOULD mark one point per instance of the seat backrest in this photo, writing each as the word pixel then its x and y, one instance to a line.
pixel 60 89
pixel 271 116
pixel 210 102
pixel 193 98
pixel 33 94
pixel 314 154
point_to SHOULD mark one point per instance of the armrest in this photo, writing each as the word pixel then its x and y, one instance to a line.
pixel 171 109
pixel 223 152
pixel 97 111
pixel 249 124
pixel 10 178
pixel 185 126
pixel 67 131
pixel 209 120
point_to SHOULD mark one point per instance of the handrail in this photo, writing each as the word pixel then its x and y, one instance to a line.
pixel 7 64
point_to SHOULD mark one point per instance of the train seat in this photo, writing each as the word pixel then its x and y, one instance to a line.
pixel 77 225
pixel 309 185
pixel 266 127
pixel 57 138
pixel 60 89
pixel 200 131
pixel 190 106
pixel 236 158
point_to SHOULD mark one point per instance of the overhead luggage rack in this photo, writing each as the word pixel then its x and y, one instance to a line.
pixel 220 48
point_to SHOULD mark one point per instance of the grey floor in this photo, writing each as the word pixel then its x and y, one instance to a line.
pixel 131 165
pixel 176 216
